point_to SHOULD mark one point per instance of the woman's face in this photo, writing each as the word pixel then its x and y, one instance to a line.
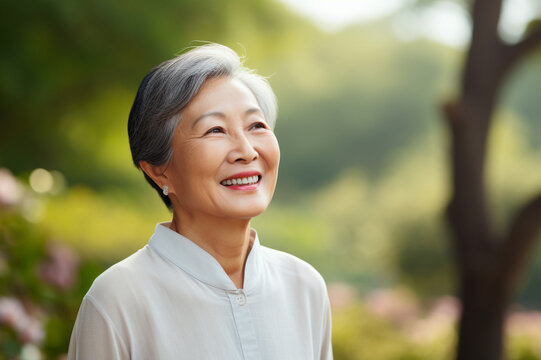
pixel 225 156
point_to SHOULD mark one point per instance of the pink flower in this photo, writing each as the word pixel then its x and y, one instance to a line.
pixel 397 306
pixel 440 320
pixel 524 322
pixel 341 295
pixel 446 308
pixel 60 268
pixel 32 332
pixel 12 313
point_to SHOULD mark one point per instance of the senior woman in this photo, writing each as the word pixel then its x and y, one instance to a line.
pixel 201 129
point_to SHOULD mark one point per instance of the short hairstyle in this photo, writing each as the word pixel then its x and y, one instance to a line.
pixel 170 86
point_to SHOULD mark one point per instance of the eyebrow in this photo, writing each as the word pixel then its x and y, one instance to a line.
pixel 222 115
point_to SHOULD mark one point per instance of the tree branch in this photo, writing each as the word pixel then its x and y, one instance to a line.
pixel 516 52
pixel 519 242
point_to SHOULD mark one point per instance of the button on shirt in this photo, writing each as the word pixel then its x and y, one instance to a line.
pixel 173 300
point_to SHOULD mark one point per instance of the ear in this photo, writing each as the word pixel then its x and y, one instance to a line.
pixel 156 173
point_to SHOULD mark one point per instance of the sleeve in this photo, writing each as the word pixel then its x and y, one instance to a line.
pixel 326 338
pixel 94 335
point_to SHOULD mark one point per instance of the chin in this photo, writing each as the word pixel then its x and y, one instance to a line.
pixel 244 213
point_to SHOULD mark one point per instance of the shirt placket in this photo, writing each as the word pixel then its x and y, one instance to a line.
pixel 245 324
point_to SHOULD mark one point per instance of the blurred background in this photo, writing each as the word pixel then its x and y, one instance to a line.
pixel 364 174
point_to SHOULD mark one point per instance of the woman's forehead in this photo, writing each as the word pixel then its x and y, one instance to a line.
pixel 218 97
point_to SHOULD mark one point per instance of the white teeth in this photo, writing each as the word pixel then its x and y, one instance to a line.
pixel 241 181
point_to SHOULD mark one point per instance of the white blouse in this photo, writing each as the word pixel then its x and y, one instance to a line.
pixel 173 300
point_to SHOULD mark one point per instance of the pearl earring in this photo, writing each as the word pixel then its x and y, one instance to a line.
pixel 165 190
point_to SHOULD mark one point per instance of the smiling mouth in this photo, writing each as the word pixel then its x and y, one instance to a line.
pixel 249 180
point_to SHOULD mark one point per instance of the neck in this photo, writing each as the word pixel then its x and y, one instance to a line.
pixel 229 242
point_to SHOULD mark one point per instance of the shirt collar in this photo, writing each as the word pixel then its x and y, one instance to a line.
pixel 191 258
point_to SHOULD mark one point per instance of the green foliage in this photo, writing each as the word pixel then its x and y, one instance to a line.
pixel 423 258
pixel 369 338
pixel 389 325
pixel 41 286
pixel 530 294
pixel 105 226
pixel 295 230
pixel 533 25
pixel 60 58
pixel 521 96
pixel 349 113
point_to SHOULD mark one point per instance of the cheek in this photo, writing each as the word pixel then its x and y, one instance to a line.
pixel 189 168
pixel 273 152
pixel 205 159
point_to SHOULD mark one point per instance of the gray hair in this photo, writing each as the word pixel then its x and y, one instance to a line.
pixel 170 86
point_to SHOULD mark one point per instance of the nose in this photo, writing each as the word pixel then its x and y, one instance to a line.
pixel 242 150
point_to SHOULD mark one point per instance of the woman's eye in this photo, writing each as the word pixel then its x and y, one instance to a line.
pixel 215 130
pixel 260 125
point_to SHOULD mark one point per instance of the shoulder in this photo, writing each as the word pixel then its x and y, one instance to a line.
pixel 122 279
pixel 294 269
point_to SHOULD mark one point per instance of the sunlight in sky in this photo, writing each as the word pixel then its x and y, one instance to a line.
pixel 333 15
pixel 445 21
pixel 516 14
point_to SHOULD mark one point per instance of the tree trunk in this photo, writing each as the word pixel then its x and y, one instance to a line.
pixel 481 324
pixel 489 265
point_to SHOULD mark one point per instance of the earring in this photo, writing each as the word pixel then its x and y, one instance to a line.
pixel 165 190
